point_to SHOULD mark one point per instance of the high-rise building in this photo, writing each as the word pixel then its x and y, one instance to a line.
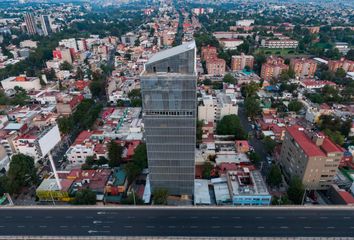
pixel 216 66
pixel 311 156
pixel 30 24
pixel 239 62
pixel 45 23
pixel 345 64
pixel 168 85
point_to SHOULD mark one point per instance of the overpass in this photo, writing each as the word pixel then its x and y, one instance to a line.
pixel 166 222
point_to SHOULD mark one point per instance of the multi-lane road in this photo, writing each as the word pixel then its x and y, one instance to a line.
pixel 163 222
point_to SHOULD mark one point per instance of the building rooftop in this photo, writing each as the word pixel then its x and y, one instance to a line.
pixel 172 52
pixel 201 192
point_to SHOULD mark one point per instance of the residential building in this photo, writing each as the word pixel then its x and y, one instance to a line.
pixel 239 62
pixel 212 109
pixel 245 22
pixel 30 24
pixel 273 67
pixel 45 23
pixel 168 86
pixel 63 53
pixel 216 66
pixel 303 67
pixel 311 156
pixel 230 43
pixel 38 142
pixel 247 187
pixel 28 44
pixel 129 39
pixel 66 104
pixel 342 47
pixel 27 83
pixel 345 64
pixel 208 53
pixel 283 43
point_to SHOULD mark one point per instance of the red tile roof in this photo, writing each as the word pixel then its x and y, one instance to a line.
pixel 347 197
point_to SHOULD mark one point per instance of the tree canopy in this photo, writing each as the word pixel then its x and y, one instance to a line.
pixel 274 177
pixel 296 191
pixel 115 152
pixel 159 196
pixel 85 197
pixel 231 125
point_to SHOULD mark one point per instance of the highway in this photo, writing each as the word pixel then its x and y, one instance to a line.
pixel 163 222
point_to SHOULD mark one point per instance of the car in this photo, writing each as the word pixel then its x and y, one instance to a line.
pixel 269 159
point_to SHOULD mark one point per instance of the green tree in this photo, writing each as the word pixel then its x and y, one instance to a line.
pixel 340 73
pixel 97 88
pixel 132 171
pixel 85 197
pixel 135 98
pixel 254 157
pixel 350 55
pixel 120 103
pixel 131 199
pixel 269 144
pixel 284 200
pixel 230 125
pixel 22 172
pixel 159 196
pixel 274 177
pixel 65 124
pixel 249 90
pixel 66 66
pixel 4 185
pixel 228 78
pixel 296 190
pixel 335 136
pixel 252 107
pixel 295 106
pixel 137 163
pixel 114 154
pixel 207 167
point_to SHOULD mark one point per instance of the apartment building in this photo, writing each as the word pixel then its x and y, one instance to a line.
pixel 216 66
pixel 311 156
pixel 208 53
pixel 273 67
pixel 345 64
pixel 303 67
pixel 282 43
pixel 239 62
pixel 212 109
pixel 27 83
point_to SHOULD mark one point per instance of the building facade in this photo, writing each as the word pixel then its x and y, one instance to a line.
pixel 45 23
pixel 30 24
pixel 216 66
pixel 345 64
pixel 239 62
pixel 311 156
pixel 273 67
pixel 168 86
pixel 303 67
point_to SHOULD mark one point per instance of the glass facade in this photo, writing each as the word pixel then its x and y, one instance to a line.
pixel 169 112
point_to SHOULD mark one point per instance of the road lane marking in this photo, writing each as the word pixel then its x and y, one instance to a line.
pixel 331 227
pixel 172 217
pixel 106 226
pixel 28 217
pixel 8 216
pixel 260 227
pixel 125 226
pixel 215 217
pixel 236 217
pixel 323 217
pixel 21 226
pixel 69 217
pixel 2 226
pixel 280 217
pixel 131 217
pixel 42 226
pixel 302 217
pixel 63 226
pixel 284 227
pixel 194 217
pixel 171 226
pixel 150 226
pixel 47 217
pixel 151 217
pixel 239 227
pixel 194 226
pixel 215 227
pixel 259 217
pixel 307 227
pixel 84 226
pixel 346 217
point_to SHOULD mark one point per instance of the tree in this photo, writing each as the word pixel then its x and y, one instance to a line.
pixel 137 164
pixel 296 191
pixel 340 73
pixel 21 173
pixel 284 200
pixel 335 136
pixel 207 167
pixel 249 90
pixel 79 74
pixel 114 154
pixel 231 125
pixel 269 144
pixel 135 98
pixel 85 197
pixel 65 124
pixel 66 66
pixel 131 199
pixel 4 185
pixel 159 196
pixel 350 55
pixel 295 106
pixel 274 177
pixel 252 107
pixel 120 103
pixel 228 78
pixel 97 88
pixel 254 157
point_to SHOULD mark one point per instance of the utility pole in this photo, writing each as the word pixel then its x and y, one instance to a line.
pixel 54 170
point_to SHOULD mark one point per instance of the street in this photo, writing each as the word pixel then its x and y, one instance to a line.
pixel 208 222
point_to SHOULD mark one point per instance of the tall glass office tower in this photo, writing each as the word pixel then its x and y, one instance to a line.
pixel 168 86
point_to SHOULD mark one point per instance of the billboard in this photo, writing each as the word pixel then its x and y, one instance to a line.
pixel 48 141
